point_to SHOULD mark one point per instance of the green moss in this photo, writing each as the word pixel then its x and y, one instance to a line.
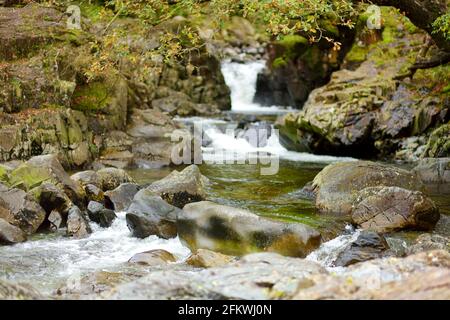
pixel 28 177
pixel 290 42
pixel 279 63
pixel 91 97
pixel 4 174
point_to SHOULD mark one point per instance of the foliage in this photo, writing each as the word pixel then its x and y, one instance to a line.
pixel 442 25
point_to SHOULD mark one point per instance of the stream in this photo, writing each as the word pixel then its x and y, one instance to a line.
pixel 47 260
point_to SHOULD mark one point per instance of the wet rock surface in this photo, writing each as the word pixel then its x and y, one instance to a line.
pixel 181 188
pixel 77 224
pixel 149 215
pixel 207 225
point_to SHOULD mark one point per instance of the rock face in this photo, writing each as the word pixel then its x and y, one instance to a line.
pixel 150 215
pixel 181 188
pixel 208 259
pixel 120 198
pixel 20 209
pixel 152 258
pixel 369 245
pixel 364 111
pixel 77 224
pixel 385 209
pixel 337 185
pixel 211 226
pixel 10 234
pixel 433 170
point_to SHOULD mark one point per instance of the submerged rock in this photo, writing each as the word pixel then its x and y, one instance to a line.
pixel 120 198
pixel 77 224
pixel 369 245
pixel 149 215
pixel 111 178
pixel 152 258
pixel 208 259
pixel 337 185
pixel 181 188
pixel 207 225
pixel 385 209
pixel 20 209
pixel 10 234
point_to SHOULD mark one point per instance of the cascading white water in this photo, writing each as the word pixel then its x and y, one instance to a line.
pixel 241 79
pixel 57 258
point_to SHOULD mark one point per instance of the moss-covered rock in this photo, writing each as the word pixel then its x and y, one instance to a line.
pixel 439 143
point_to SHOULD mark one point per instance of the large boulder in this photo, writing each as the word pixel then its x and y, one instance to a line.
pixel 386 209
pixel 46 168
pixel 152 258
pixel 433 170
pixel 207 225
pixel 120 198
pixel 20 209
pixel 77 224
pixel 149 215
pixel 87 177
pixel 10 234
pixel 337 185
pixel 111 178
pixel 52 198
pixel 181 188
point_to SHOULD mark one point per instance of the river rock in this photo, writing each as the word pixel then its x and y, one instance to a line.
pixel 207 225
pixel 428 242
pixel 94 193
pixel 337 185
pixel 254 277
pixel 181 188
pixel 100 215
pixel 369 245
pixel 87 177
pixel 149 215
pixel 433 170
pixel 52 198
pixel 120 198
pixel 111 178
pixel 20 209
pixel 420 276
pixel 10 234
pixel 77 224
pixel 386 209
pixel 207 259
pixel 152 258
pixel 56 220
pixel 14 291
pixel 46 168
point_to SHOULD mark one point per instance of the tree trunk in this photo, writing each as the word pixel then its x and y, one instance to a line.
pixel 422 13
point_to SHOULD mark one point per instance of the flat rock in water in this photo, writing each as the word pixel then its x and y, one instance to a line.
pixel 207 259
pixel 207 225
